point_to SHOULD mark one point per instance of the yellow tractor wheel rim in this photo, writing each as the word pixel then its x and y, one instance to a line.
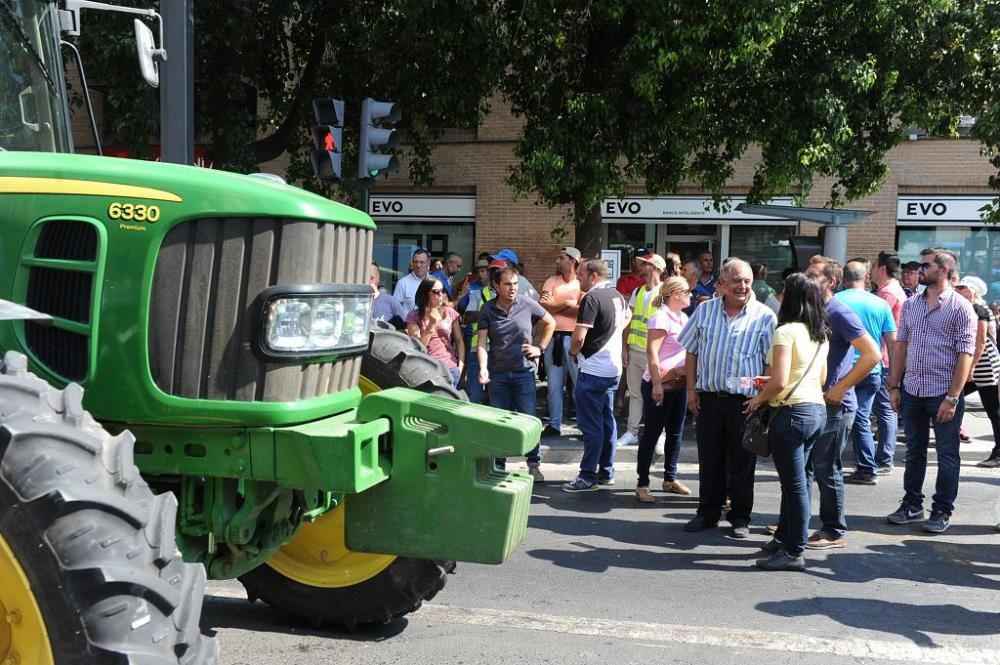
pixel 317 555
pixel 23 638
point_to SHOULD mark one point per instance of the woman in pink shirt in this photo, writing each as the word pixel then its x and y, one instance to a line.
pixel 437 325
pixel 664 388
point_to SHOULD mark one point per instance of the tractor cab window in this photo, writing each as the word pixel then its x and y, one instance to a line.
pixel 32 96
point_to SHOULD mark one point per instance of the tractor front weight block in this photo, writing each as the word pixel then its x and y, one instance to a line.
pixel 444 498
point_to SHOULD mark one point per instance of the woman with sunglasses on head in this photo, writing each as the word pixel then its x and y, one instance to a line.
pixel 795 391
pixel 438 326
pixel 664 388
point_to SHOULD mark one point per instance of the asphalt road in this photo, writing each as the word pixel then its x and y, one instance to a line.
pixel 603 579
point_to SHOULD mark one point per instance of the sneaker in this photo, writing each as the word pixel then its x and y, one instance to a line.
pixel 861 478
pixel 578 484
pixel 536 472
pixel 884 471
pixel 550 432
pixel 740 531
pixel 675 487
pixel 821 540
pixel 938 522
pixel 772 546
pixel 661 444
pixel 782 561
pixel 906 514
pixel 991 462
pixel 628 439
pixel 605 481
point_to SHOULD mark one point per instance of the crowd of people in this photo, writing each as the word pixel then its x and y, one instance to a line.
pixel 832 350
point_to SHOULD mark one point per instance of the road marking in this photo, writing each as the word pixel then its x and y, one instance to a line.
pixel 737 638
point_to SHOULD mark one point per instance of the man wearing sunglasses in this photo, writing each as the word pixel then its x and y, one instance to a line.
pixel 934 346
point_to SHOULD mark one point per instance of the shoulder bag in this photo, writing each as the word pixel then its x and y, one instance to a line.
pixel 756 431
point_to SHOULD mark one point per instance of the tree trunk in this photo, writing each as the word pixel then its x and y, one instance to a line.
pixel 588 230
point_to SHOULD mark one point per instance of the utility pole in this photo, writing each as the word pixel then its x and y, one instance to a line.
pixel 177 83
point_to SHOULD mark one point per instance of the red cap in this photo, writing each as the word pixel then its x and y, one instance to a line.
pixel 497 263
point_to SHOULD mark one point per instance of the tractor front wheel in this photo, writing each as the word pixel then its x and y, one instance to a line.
pixel 315 577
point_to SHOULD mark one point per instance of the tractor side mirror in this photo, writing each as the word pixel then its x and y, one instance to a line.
pixel 146 47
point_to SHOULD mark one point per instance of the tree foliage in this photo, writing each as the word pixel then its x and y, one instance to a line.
pixel 258 66
pixel 672 91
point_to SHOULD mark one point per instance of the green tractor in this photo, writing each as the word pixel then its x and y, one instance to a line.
pixel 242 418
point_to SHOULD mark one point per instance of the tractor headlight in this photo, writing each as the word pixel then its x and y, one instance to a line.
pixel 314 320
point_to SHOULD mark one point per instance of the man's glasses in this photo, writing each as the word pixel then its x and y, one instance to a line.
pixel 926 266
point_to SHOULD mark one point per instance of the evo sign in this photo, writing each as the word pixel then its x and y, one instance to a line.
pixel 679 208
pixel 422 207
pixel 937 209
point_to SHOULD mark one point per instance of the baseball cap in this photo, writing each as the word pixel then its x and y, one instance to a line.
pixel 482 263
pixel 498 263
pixel 656 260
pixel 572 252
pixel 506 255
pixel 974 283
pixel 643 251
pixel 911 265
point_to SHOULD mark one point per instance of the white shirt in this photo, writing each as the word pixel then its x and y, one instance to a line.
pixel 406 291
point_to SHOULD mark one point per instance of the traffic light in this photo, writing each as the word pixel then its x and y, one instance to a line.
pixel 327 138
pixel 371 163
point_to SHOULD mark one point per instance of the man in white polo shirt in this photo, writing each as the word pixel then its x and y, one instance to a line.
pixel 406 287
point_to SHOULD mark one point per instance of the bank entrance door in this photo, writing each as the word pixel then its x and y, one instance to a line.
pixel 689 240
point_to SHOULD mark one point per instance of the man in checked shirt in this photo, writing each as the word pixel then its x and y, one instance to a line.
pixel 936 340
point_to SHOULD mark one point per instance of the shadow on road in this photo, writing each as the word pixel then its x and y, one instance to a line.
pixel 258 617
pixel 912 622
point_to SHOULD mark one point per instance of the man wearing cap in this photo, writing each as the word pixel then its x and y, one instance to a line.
pixel 911 278
pixel 560 298
pixel 651 268
pixel 630 281
pixel 406 287
pixel 524 287
pixel 475 295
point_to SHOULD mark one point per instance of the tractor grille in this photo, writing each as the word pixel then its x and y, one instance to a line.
pixel 201 323
pixel 63 290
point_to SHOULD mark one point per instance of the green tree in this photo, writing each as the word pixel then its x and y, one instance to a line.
pixel 258 66
pixel 667 91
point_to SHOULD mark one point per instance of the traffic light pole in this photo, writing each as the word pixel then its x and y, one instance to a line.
pixel 363 199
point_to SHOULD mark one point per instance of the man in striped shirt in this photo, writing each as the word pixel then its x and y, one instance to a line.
pixel 727 340
pixel 935 344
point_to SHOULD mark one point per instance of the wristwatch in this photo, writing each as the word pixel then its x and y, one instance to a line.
pixel 952 400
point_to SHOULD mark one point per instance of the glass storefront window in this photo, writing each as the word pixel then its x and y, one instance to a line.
pixel 396 241
pixel 627 238
pixel 765 244
pixel 978 250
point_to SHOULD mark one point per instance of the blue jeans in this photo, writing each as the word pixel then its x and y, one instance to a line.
pixel 515 391
pixel 669 417
pixel 473 388
pixel 917 414
pixel 861 431
pixel 888 425
pixel 456 374
pixel 824 465
pixel 595 402
pixel 794 431
pixel 557 378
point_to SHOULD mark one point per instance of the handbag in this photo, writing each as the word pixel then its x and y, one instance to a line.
pixel 757 429
pixel 671 381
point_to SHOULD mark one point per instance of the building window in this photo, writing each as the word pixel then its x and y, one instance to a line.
pixel 764 244
pixel 395 243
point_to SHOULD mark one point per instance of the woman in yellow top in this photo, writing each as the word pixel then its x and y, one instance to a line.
pixel 795 387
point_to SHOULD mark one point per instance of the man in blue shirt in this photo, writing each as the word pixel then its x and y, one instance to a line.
pixel 847 335
pixel 452 266
pixel 876 317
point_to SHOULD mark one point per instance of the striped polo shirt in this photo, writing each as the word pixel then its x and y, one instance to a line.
pixel 728 348
pixel 934 337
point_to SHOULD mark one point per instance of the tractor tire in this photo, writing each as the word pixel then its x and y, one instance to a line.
pixel 89 569
pixel 401 583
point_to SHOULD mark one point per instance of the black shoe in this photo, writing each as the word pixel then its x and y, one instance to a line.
pixel 741 531
pixel 700 523
pixel 781 560
pixel 991 462
pixel 861 478
pixel 550 432
pixel 772 546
